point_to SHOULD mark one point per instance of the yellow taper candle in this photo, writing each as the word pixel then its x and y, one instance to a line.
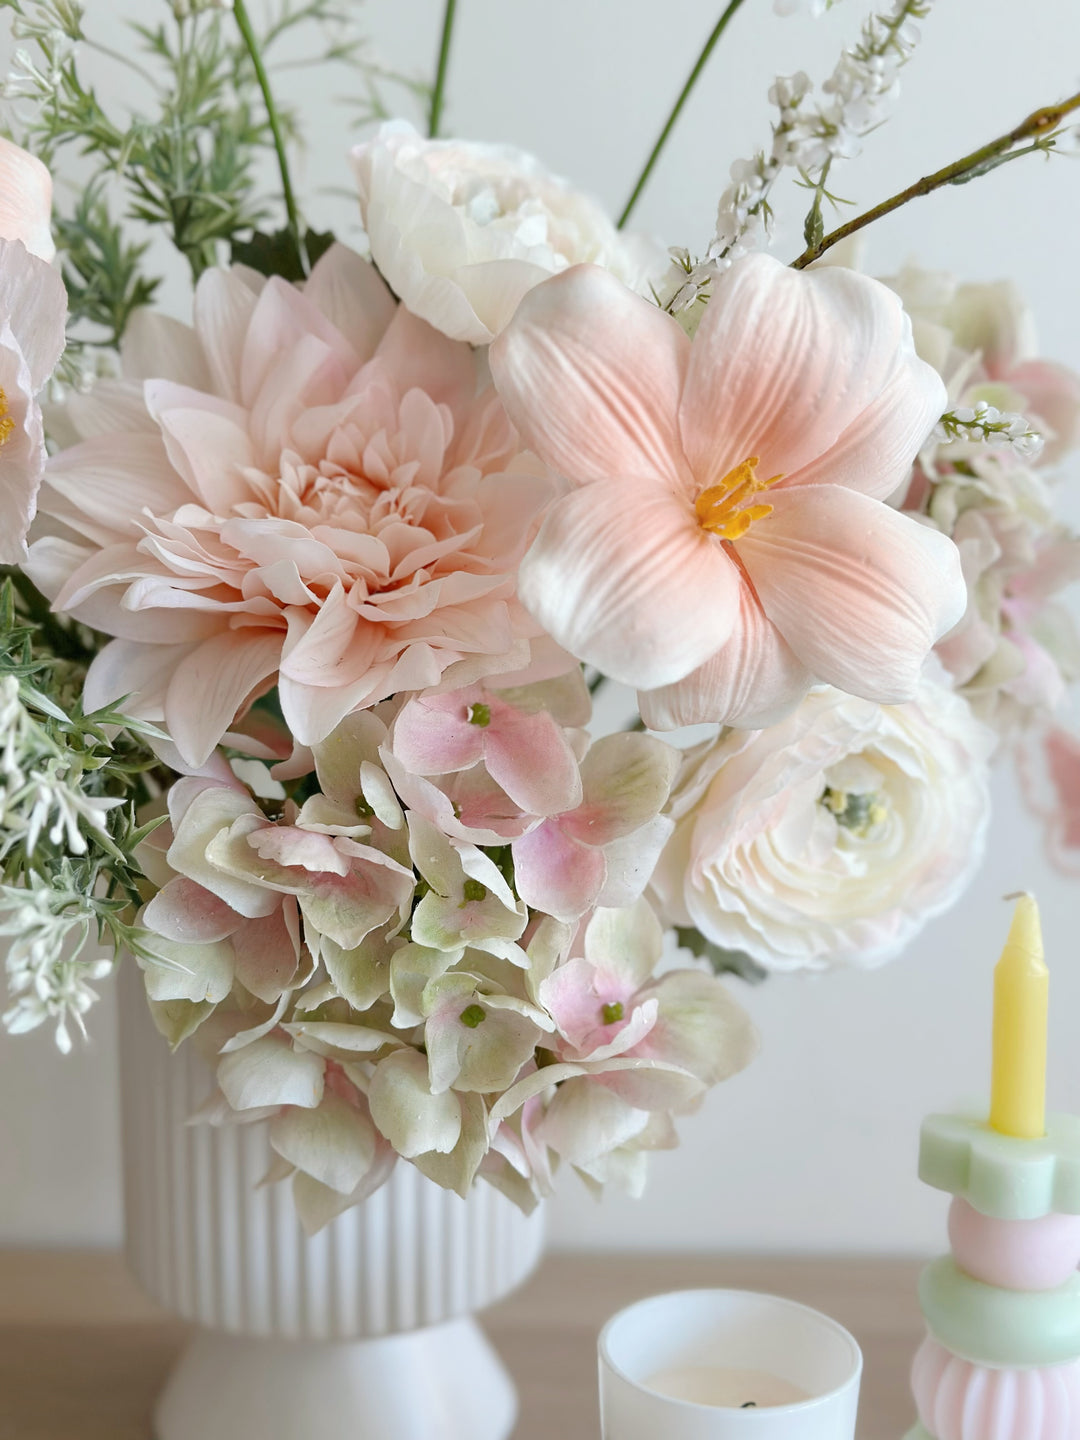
pixel 1021 994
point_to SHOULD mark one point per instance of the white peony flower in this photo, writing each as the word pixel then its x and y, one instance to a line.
pixel 834 836
pixel 461 231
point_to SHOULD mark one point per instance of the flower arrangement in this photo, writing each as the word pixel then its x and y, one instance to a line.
pixel 307 600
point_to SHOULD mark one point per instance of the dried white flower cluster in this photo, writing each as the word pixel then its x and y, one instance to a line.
pixel 808 136
pixel 39 793
pixel 983 423
pixel 46 975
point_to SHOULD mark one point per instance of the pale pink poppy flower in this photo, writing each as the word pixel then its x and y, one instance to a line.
pixel 727 543
pixel 309 487
pixel 25 200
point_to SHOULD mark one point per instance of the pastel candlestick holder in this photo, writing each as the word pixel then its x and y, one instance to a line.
pixel 1001 1360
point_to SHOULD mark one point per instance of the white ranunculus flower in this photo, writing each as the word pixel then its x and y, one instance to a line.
pixel 833 836
pixel 461 230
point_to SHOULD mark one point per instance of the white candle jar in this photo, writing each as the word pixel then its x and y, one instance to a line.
pixel 771 1346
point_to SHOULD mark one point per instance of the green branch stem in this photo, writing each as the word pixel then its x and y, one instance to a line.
pixel 692 79
pixel 439 89
pixel 1038 128
pixel 296 229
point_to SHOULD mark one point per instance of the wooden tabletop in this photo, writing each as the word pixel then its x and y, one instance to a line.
pixel 83 1353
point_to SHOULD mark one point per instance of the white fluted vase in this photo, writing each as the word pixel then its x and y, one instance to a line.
pixel 364 1332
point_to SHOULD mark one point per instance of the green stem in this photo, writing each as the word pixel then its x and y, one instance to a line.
pixel 296 229
pixel 1037 125
pixel 439 91
pixel 692 79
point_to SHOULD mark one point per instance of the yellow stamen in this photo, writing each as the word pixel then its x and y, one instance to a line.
pixel 7 424
pixel 721 509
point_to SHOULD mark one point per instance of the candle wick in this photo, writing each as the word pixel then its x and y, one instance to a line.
pixel 748 1405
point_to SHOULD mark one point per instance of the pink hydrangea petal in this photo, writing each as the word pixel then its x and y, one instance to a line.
pixel 572 999
pixel 753 680
pixel 591 375
pixel 785 361
pixel 185 911
pixel 626 780
pixel 859 591
pixel 530 757
pixel 267 952
pixel 624 577
pixel 433 736
pixel 555 874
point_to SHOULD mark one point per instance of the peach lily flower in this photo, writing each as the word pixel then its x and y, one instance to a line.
pixel 727 543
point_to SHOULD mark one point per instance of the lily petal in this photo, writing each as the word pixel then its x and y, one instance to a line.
pixel 753 680
pixel 600 579
pixel 591 374
pixel 860 592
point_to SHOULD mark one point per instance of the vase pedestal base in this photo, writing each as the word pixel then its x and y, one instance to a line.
pixel 444 1382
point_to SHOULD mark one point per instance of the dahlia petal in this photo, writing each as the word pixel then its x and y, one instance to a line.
pixel 784 361
pixel 555 873
pixel 590 374
pixel 623 577
pixel 418 357
pixel 157 347
pixel 133 668
pixel 224 304
pixel 207 440
pixel 25 200
pixel 753 679
pixel 859 591
pixel 281 319
pixel 111 407
pixel 111 484
pixel 353 296
pixel 212 683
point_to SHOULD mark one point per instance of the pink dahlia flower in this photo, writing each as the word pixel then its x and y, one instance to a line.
pixel 308 488
pixel 727 543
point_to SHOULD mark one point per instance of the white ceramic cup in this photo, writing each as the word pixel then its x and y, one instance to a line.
pixel 733 1329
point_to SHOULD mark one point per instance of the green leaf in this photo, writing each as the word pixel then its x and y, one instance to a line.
pixel 723 961
pixel 276 254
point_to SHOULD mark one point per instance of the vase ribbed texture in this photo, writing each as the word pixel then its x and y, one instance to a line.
pixel 208 1245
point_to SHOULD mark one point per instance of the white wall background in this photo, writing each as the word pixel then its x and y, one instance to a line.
pixel 814 1147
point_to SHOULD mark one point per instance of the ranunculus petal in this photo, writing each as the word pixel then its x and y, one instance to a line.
pixel 785 361
pixel 591 375
pixel 859 591
pixel 752 681
pixel 623 577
